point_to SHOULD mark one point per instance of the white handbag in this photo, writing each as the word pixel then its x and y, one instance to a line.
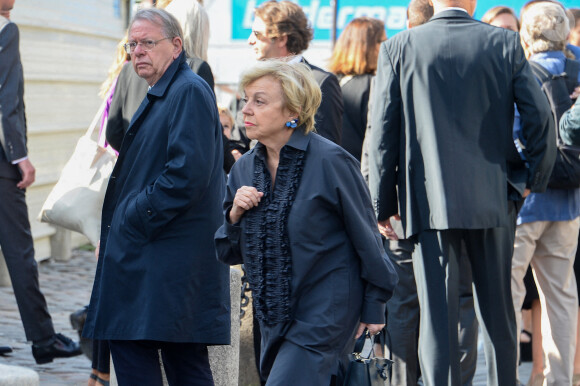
pixel 76 201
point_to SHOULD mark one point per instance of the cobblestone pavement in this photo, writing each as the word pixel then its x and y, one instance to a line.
pixel 67 286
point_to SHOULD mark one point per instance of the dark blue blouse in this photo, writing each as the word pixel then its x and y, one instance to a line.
pixel 339 271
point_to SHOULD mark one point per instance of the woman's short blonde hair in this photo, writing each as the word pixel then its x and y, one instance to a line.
pixel 544 28
pixel 224 110
pixel 301 92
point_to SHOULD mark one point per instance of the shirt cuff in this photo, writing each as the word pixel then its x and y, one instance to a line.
pixel 15 162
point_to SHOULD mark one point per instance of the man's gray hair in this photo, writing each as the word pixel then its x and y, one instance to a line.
pixel 545 28
pixel 168 23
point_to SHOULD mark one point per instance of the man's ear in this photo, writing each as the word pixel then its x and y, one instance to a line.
pixel 177 47
pixel 281 41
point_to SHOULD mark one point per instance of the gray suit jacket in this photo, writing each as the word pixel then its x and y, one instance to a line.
pixel 12 119
pixel 442 127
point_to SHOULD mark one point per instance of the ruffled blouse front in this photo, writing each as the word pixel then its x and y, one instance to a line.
pixel 269 262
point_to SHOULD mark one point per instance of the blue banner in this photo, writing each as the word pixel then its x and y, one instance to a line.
pixel 319 12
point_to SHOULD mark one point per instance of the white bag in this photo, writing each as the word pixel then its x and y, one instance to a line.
pixel 76 201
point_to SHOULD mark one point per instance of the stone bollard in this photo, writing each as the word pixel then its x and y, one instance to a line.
pixel 60 244
pixel 18 376
pixel 224 360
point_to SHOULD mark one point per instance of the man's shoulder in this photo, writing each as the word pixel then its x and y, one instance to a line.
pixel 319 73
pixel 8 29
pixel 326 80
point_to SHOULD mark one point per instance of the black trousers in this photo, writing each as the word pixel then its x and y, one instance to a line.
pixel 137 363
pixel 436 261
pixel 18 250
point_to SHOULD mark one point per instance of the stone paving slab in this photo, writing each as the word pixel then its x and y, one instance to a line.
pixel 67 287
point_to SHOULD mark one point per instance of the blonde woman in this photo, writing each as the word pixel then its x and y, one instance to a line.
pixel 298 215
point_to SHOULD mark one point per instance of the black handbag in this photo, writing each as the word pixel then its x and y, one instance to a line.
pixel 369 371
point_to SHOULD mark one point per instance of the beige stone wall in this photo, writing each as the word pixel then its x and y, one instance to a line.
pixel 67 47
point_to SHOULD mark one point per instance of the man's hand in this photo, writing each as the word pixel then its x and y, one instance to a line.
pixel 237 154
pixel 374 329
pixel 526 193
pixel 386 229
pixel 246 198
pixel 576 93
pixel 28 174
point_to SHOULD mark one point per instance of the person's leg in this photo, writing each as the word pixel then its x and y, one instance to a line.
pixel 402 316
pixel 468 326
pixel 537 351
pixel 490 252
pixel 435 262
pixel 136 362
pixel 18 250
pixel 295 365
pixel 553 270
pixel 524 247
pixel 186 364
pixel 101 360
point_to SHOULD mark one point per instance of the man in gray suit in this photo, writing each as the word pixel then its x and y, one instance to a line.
pixel 441 150
pixel 16 174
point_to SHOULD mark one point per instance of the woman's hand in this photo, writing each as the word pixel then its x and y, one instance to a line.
pixel 246 198
pixel 374 329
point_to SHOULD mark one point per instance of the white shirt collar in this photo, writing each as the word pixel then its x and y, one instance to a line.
pixel 452 8
pixel 296 59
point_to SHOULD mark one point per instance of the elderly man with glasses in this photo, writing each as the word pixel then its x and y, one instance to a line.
pixel 158 284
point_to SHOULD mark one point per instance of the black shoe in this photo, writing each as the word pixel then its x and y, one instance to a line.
pixel 59 346
pixel 5 350
pixel 77 319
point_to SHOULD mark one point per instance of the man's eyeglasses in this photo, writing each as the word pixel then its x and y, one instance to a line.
pixel 260 36
pixel 146 45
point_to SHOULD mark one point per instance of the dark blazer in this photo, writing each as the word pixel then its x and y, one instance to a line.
pixel 355 95
pixel 157 276
pixel 12 118
pixel 329 115
pixel 442 126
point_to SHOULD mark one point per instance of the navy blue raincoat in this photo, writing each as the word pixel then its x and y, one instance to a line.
pixel 157 277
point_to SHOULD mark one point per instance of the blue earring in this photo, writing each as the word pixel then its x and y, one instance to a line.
pixel 292 123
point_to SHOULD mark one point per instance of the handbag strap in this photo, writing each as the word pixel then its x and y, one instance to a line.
pixel 360 342
pixel 96 118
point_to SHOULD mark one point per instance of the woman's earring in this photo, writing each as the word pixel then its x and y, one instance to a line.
pixel 292 123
